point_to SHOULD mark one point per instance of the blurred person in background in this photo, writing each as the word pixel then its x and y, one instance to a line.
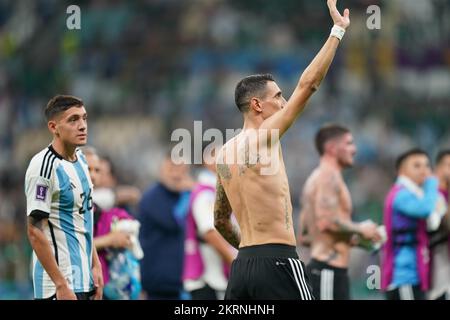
pixel 109 193
pixel 439 233
pixel 162 214
pixel 120 266
pixel 325 220
pixel 112 239
pixel 405 255
pixel 208 256
pixel 58 189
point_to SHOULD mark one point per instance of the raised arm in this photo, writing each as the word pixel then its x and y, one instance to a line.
pixel 312 76
pixel 37 221
pixel 222 217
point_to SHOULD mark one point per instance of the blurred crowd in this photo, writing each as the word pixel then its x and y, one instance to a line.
pixel 145 68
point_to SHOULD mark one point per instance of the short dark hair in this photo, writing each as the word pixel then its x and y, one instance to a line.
pixel 61 103
pixel 405 155
pixel 327 133
pixel 441 155
pixel 249 87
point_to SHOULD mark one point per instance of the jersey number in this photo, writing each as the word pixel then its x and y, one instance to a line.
pixel 87 202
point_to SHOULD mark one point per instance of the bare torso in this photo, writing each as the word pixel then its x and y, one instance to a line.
pixel 261 203
pixel 327 246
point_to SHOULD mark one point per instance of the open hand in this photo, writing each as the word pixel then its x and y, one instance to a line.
pixel 338 19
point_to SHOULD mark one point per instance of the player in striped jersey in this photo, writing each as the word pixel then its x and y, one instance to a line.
pixel 59 209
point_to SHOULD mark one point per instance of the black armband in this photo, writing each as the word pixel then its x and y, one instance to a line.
pixel 39 215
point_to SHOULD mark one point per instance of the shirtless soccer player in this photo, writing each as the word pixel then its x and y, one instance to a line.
pixel 267 265
pixel 325 220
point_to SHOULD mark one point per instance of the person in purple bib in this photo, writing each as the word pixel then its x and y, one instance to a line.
pixel 405 255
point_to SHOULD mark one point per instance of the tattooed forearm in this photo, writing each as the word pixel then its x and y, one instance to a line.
pixel 222 205
pixel 224 171
pixel 222 217
pixel 229 232
pixel 346 227
pixel 329 208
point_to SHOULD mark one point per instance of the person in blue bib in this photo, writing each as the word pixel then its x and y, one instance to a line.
pixel 405 255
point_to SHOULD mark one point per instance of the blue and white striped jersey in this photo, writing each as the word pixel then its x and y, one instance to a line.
pixel 63 189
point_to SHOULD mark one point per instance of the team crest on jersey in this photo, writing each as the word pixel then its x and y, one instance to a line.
pixel 41 192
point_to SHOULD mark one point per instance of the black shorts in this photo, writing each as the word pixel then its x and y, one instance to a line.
pixel 406 292
pixel 328 283
pixel 268 272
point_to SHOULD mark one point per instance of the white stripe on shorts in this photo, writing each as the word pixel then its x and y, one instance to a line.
pixel 303 278
pixel 296 278
pixel 326 284
pixel 297 270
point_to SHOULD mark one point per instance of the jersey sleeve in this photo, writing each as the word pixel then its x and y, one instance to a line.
pixel 38 191
pixel 203 212
pixel 411 205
